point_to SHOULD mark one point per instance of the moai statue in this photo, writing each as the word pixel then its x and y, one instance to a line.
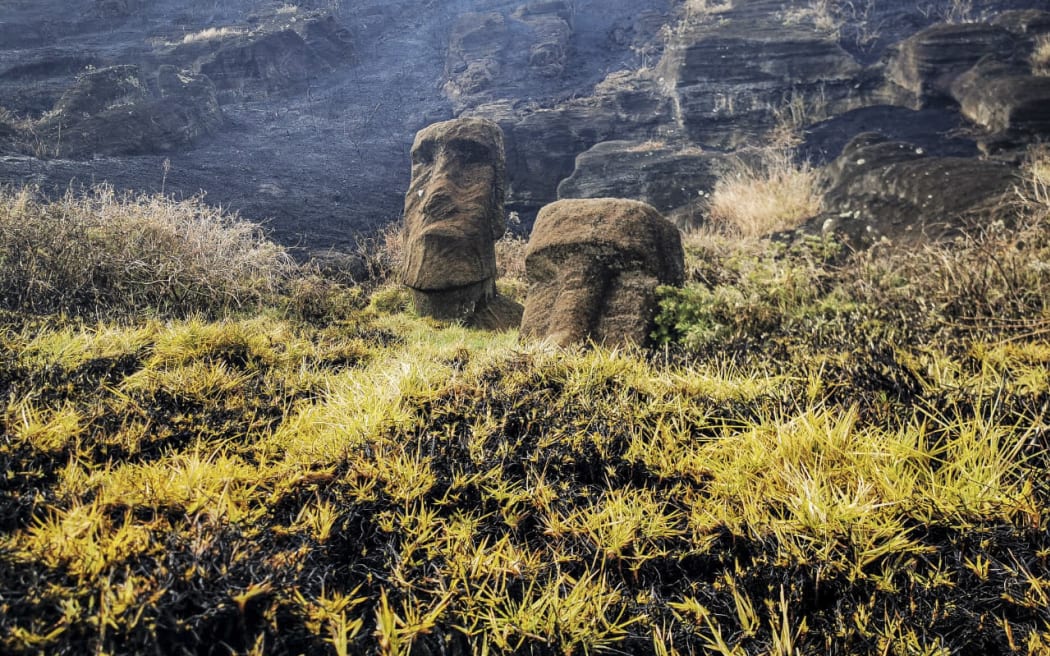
pixel 593 267
pixel 453 217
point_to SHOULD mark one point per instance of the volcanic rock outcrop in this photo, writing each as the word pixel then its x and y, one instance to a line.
pixel 666 176
pixel 453 217
pixel 273 59
pixel 112 111
pixel 493 55
pixel 320 100
pixel 542 144
pixel 729 77
pixel 593 267
pixel 880 188
pixel 1005 99
pixel 926 64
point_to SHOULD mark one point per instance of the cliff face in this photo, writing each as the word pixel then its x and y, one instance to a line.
pixel 303 112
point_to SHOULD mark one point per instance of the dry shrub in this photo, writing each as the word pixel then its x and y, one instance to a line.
pixel 765 194
pixel 212 33
pixel 1036 194
pixel 1041 56
pixel 960 11
pixel 824 15
pixel 383 253
pixel 701 8
pixel 647 146
pixel 510 266
pixel 105 252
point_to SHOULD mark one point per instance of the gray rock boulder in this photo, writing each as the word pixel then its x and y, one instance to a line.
pixel 728 77
pixel 542 144
pixel 112 111
pixel 1027 22
pixel 593 267
pixel 879 188
pixel 1005 99
pixel 279 57
pixel 668 177
pixel 924 66
pixel 493 55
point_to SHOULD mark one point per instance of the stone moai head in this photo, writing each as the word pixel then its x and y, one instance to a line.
pixel 593 267
pixel 453 217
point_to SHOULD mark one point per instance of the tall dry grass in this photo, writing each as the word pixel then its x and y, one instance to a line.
pixel 104 252
pixel 1041 56
pixel 701 8
pixel 825 15
pixel 211 34
pixel 764 194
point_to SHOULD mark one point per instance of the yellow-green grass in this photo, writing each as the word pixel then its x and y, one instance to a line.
pixel 386 483
pixel 825 453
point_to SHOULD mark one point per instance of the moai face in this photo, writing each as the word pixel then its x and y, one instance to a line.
pixel 454 206
pixel 584 294
pixel 593 268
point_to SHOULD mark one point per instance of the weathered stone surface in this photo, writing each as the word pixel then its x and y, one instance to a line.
pixel 281 57
pixel 879 188
pixel 34 83
pixel 542 144
pixel 97 91
pixel 665 176
pixel 593 267
pixel 641 33
pixel 322 158
pixel 116 8
pixel 330 43
pixel 453 217
pixel 267 64
pixel 494 55
pixel 475 54
pixel 550 21
pixel 729 77
pixel 925 65
pixel 1029 22
pixel 1005 99
pixel 936 130
pixel 113 112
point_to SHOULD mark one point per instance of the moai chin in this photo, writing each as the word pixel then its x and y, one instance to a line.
pixel 453 217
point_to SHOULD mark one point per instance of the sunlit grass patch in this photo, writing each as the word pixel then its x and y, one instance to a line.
pixel 1041 56
pixel 461 487
pixel 829 453
pixel 766 194
pixel 214 33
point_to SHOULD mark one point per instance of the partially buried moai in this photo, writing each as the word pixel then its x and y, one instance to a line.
pixel 453 217
pixel 593 267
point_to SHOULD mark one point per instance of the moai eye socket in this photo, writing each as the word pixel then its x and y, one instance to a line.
pixel 424 153
pixel 470 152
